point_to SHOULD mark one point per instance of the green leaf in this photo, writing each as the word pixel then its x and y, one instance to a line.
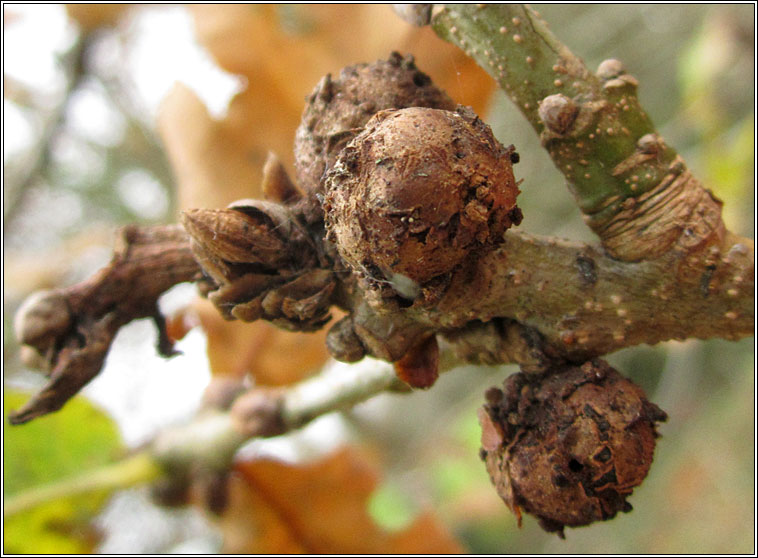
pixel 63 445
pixel 391 507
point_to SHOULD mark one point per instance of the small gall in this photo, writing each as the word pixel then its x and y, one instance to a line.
pixel 338 108
pixel 517 39
pixel 731 315
pixel 609 69
pixel 516 21
pixel 454 207
pixel 558 113
pixel 568 446
pixel 503 30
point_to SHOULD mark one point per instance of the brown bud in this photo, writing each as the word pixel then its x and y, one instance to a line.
pixel 419 367
pixel 651 144
pixel 277 185
pixel 558 113
pixel 249 232
pixel 415 14
pixel 417 192
pixel 235 237
pixel 258 413
pixel 42 318
pixel 343 343
pixel 221 392
pixel 339 108
pixel 569 447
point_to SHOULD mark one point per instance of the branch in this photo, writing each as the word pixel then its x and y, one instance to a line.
pixel 635 191
pixel 134 470
pixel 207 444
pixel 70 330
pixel 585 304
pixel 531 301
pixel 75 59
pixel 668 268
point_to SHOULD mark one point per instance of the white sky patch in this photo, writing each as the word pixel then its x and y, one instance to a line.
pixel 18 132
pixel 166 51
pixel 91 115
pixel 145 392
pixel 31 42
pixel 142 193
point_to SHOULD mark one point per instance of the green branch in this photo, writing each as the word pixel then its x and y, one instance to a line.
pixel 635 191
pixel 137 469
pixel 602 122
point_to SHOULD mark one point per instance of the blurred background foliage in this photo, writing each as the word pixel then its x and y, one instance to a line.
pixel 98 134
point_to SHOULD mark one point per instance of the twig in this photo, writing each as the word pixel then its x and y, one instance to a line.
pixel 72 329
pixel 635 191
pixel 209 442
pixel 76 59
pixel 134 470
pixel 532 300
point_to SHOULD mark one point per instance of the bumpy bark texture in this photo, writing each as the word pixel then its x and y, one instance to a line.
pixel 569 446
pixel 417 192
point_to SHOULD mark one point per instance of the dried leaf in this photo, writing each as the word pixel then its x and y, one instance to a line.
pixel 272 356
pixel 213 164
pixel 319 508
pixel 92 16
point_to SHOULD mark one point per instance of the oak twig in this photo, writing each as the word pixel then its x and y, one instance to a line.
pixel 635 192
pixel 69 331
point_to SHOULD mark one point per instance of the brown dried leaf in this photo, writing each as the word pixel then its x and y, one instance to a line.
pixel 213 164
pixel 272 356
pixel 319 508
pixel 92 16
